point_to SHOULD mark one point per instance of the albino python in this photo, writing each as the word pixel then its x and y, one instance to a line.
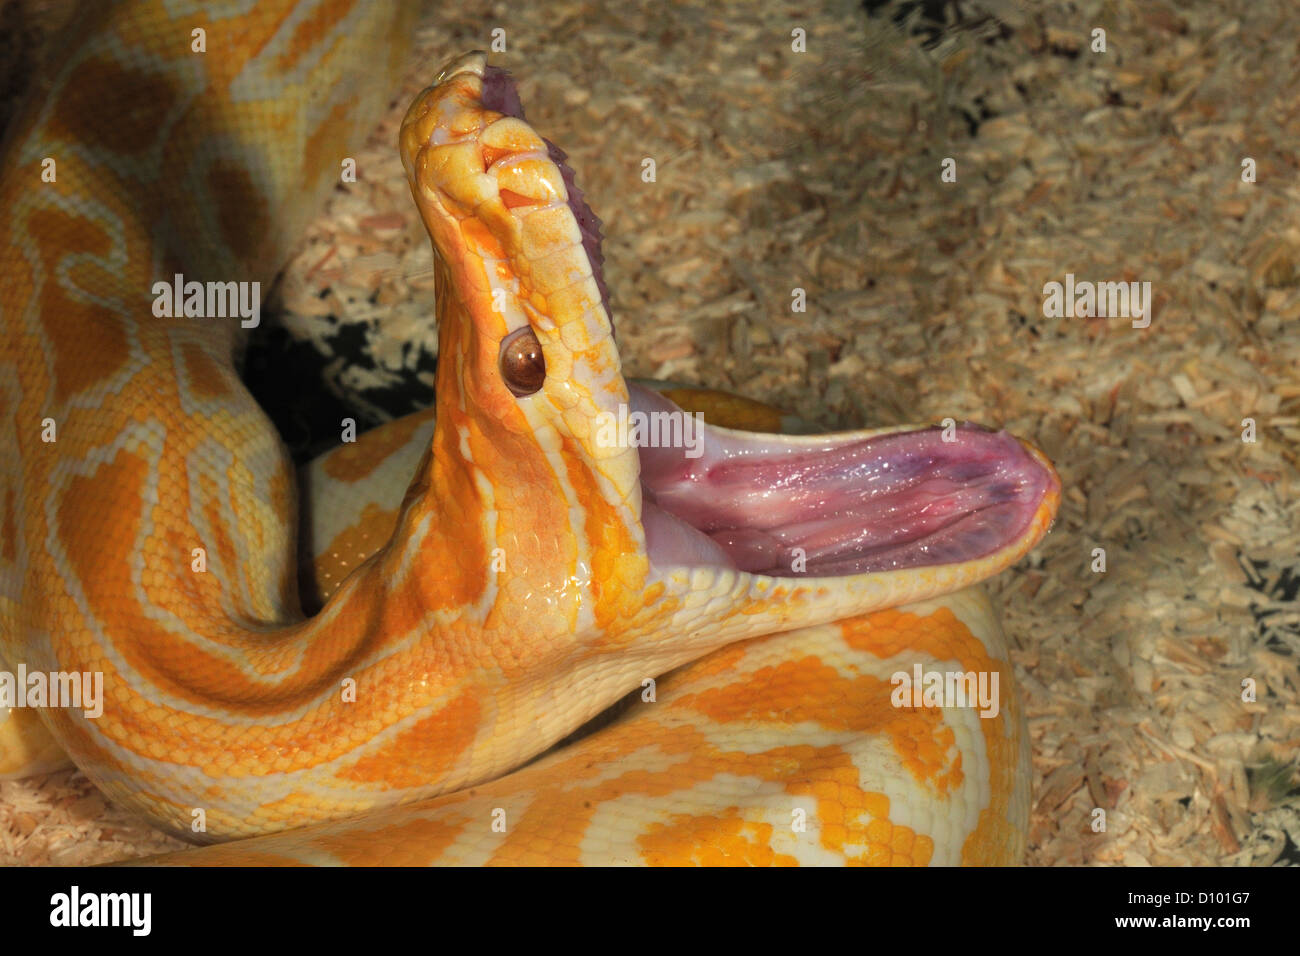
pixel 491 580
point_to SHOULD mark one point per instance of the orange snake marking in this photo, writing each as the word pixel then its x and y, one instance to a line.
pixel 617 786
pixel 221 695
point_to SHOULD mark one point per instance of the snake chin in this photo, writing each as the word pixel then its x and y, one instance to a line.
pixel 830 505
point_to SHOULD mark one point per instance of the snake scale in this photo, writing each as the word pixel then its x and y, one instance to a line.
pixel 491 575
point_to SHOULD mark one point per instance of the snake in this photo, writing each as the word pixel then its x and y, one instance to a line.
pixel 512 628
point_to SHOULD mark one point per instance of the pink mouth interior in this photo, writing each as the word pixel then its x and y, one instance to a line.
pixel 835 507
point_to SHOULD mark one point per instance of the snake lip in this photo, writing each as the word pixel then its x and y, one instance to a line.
pixel 838 505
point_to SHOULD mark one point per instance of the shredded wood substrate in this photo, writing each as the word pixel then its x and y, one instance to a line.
pixel 822 170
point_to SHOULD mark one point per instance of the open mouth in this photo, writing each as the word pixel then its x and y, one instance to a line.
pixel 833 505
pixel 830 505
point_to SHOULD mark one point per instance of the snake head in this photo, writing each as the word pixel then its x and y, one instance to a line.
pixel 527 360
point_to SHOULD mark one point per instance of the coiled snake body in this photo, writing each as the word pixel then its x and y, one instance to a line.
pixel 528 576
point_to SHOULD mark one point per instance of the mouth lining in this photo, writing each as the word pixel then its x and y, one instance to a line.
pixel 832 506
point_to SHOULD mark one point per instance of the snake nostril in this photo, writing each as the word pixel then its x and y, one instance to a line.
pixel 523 366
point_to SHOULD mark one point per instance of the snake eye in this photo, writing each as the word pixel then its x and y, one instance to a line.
pixel 523 367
